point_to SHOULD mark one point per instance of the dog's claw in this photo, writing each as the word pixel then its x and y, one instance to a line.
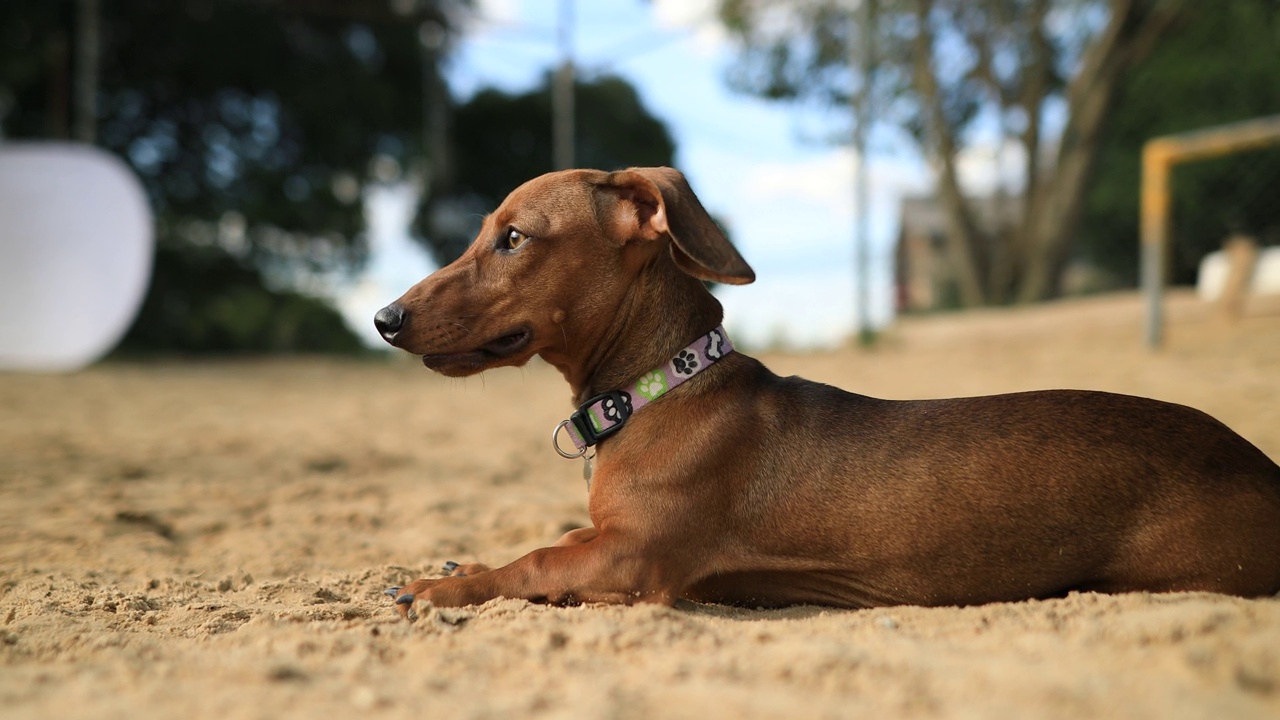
pixel 450 566
pixel 405 599
pixel 392 592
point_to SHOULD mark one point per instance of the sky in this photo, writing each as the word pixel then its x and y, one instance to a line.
pixel 787 197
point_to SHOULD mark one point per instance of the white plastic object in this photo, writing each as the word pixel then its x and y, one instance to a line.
pixel 76 249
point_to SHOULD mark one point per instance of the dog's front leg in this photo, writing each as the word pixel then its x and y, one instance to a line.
pixel 599 569
pixel 453 569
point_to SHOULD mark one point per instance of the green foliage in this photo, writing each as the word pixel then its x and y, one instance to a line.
pixel 263 116
pixel 988 53
pixel 503 140
pixel 268 111
pixel 256 107
pixel 1221 65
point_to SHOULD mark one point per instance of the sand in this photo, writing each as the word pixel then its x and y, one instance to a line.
pixel 210 540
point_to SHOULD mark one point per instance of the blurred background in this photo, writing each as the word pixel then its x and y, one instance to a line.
pixel 308 160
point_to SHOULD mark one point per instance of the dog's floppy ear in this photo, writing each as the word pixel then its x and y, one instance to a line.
pixel 658 201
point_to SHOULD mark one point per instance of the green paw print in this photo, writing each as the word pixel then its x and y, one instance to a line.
pixel 653 385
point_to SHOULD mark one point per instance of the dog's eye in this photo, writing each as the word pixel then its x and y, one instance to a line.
pixel 515 238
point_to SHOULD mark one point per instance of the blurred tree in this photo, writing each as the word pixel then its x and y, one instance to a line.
pixel 252 123
pixel 206 301
pixel 947 71
pixel 502 140
pixel 1221 65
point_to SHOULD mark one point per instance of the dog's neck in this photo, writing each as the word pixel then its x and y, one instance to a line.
pixel 662 311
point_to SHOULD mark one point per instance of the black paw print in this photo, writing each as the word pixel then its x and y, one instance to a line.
pixel 686 363
pixel 613 412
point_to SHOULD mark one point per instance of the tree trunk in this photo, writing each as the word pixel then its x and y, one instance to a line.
pixel 1036 85
pixel 964 241
pixel 436 110
pixel 1132 32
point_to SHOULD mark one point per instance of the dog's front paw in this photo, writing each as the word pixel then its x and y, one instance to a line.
pixel 406 596
pixel 420 591
pixel 453 569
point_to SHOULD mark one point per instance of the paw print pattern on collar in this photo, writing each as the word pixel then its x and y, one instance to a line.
pixel 606 413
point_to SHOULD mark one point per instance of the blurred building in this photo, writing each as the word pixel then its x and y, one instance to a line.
pixel 924 273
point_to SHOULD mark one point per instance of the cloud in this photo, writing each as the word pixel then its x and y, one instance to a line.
pixel 825 179
pixel 813 197
pixel 494 12
pixel 696 16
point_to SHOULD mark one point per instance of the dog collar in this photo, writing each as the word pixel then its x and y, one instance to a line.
pixel 606 413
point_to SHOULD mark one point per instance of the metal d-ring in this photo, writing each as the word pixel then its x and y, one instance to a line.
pixel 555 443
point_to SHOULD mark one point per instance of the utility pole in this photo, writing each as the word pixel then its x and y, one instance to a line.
pixel 862 63
pixel 88 51
pixel 562 94
pixel 435 108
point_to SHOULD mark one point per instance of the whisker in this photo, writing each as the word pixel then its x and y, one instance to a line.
pixel 445 329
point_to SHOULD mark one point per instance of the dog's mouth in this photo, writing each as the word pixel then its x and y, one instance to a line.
pixel 500 348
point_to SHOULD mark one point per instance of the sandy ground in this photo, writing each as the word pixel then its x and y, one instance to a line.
pixel 210 540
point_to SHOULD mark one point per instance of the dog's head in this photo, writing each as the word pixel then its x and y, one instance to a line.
pixel 558 253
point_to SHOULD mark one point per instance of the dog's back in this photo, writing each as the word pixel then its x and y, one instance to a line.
pixel 1011 496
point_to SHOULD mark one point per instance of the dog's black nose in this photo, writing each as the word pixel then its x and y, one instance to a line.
pixel 389 320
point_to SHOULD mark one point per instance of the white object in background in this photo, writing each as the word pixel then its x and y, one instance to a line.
pixel 76 247
pixel 396 263
pixel 1214 267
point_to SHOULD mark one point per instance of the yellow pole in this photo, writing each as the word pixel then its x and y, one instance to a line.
pixel 1155 230
pixel 1159 156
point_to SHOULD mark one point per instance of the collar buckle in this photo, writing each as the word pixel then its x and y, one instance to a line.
pixel 615 408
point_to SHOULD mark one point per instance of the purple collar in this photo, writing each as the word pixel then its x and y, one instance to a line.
pixel 606 413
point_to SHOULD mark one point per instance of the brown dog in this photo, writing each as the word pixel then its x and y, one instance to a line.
pixel 743 487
